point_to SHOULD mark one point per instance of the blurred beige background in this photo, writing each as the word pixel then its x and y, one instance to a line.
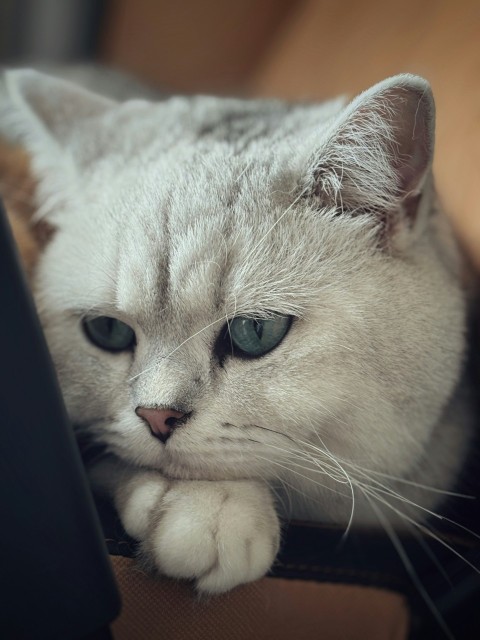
pixel 313 49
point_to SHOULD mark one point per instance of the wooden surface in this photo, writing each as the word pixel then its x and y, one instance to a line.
pixel 318 48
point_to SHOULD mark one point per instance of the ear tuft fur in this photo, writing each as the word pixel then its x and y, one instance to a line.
pixel 377 155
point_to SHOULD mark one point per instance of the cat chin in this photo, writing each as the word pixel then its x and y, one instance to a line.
pixel 173 472
pixel 178 470
pixel 181 465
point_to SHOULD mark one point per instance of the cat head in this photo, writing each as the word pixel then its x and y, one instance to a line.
pixel 232 285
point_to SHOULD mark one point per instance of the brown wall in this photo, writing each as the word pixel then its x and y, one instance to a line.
pixel 192 45
pixel 317 48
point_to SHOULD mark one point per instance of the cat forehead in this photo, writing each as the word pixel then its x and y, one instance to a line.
pixel 200 228
pixel 203 222
pixel 206 242
pixel 197 250
pixel 139 127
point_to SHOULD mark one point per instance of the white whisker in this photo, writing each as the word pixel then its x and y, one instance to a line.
pixel 420 527
pixel 301 475
pixel 394 538
pixel 388 476
pixel 177 348
pixel 279 219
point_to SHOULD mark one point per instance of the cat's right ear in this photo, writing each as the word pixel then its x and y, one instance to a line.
pixel 48 118
pixel 39 108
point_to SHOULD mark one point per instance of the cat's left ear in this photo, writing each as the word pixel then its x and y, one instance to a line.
pixel 52 121
pixel 45 109
pixel 375 160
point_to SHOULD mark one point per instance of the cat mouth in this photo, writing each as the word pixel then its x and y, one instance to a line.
pixel 163 436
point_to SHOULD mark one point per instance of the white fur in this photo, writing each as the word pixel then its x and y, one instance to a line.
pixel 177 216
pixel 221 533
pixel 138 507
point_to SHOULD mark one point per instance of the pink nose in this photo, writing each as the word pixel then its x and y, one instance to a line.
pixel 160 421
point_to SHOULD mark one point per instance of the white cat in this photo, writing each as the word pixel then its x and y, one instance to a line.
pixel 249 299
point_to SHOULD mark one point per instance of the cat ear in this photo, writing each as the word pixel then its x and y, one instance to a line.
pixel 376 157
pixel 41 107
pixel 49 119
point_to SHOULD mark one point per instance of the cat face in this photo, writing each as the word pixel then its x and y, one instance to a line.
pixel 195 220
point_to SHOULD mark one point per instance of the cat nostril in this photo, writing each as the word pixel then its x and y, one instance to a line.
pixel 161 421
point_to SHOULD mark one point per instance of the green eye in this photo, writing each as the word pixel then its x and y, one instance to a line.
pixel 254 338
pixel 109 333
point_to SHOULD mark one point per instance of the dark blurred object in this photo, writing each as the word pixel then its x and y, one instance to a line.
pixel 55 578
pixel 49 30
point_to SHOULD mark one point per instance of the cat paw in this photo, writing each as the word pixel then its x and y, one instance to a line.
pixel 220 534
